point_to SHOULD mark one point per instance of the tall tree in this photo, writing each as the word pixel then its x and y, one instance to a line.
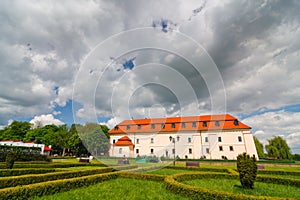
pixel 278 148
pixel 95 137
pixel 15 131
pixel 259 148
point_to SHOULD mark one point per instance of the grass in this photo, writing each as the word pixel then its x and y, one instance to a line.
pixel 165 171
pixel 234 186
pixel 121 188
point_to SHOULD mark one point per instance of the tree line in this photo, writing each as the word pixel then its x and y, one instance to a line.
pixel 277 148
pixel 75 140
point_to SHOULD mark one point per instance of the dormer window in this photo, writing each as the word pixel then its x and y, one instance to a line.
pixel 217 123
pixel 183 125
pixel 236 122
pixel 128 127
pixel 139 127
pixel 173 125
pixel 163 126
pixel 152 126
pixel 204 124
pixel 116 128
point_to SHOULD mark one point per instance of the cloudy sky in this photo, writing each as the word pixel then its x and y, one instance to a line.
pixel 106 61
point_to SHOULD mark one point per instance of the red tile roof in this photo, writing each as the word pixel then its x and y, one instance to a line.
pixel 225 121
pixel 124 141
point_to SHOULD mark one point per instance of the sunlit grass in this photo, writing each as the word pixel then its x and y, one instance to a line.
pixel 120 189
pixel 234 186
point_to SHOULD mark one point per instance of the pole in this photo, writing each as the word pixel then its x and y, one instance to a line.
pixel 174 152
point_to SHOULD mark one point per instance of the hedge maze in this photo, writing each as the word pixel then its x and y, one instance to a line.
pixel 25 183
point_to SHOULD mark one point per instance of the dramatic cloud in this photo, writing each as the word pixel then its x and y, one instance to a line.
pixel 48 51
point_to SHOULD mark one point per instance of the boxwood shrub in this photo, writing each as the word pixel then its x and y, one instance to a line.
pixel 37 178
pixel 18 172
pixel 173 184
pixel 52 187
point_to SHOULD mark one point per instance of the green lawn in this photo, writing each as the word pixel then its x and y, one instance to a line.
pixel 260 189
pixel 121 189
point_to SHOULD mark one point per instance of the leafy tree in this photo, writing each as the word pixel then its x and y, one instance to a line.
pixel 259 148
pixel 278 148
pixel 15 131
pixel 247 168
pixel 95 137
pixel 75 144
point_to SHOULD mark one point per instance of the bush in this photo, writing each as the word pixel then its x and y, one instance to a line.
pixel 247 168
pixel 192 192
pixel 10 159
pixel 18 172
pixel 52 187
pixel 37 178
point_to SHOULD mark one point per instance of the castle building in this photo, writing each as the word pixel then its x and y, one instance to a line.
pixel 211 136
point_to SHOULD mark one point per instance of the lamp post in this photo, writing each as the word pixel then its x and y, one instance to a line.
pixel 174 141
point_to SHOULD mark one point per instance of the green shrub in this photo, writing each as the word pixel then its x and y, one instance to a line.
pixel 18 172
pixel 192 192
pixel 200 169
pixel 52 187
pixel 37 178
pixel 247 168
pixel 10 159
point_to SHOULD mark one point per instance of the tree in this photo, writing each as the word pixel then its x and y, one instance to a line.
pixel 75 144
pixel 95 137
pixel 247 168
pixel 278 148
pixel 259 148
pixel 15 131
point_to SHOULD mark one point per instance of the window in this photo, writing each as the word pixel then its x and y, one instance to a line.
pixel 231 148
pixel 173 125
pixel 189 140
pixel 163 125
pixel 152 126
pixel 217 123
pixel 240 138
pixel 207 150
pixel 190 151
pixel 220 148
pixel 206 139
pixel 204 124
pixel 120 151
pixel 236 122
pixel 137 151
pixel 114 141
pixel 152 140
pixel 173 151
pixel 116 128
pixel 127 127
pixel 194 124
pixel 137 141
pixel 183 125
pixel 151 151
pixel 139 127
pixel 219 139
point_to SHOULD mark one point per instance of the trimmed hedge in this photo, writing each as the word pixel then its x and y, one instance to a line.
pixel 18 172
pixel 30 179
pixel 51 165
pixel 199 169
pixel 193 192
pixel 279 180
pixel 292 173
pixel 52 187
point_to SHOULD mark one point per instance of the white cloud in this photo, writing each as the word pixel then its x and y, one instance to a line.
pixel 44 120
pixel 279 123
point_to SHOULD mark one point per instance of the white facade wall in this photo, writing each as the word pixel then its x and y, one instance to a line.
pixel 193 145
